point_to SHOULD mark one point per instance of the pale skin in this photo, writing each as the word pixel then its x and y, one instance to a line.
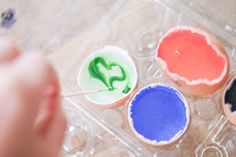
pixel 32 123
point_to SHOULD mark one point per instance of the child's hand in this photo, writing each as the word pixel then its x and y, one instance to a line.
pixel 31 121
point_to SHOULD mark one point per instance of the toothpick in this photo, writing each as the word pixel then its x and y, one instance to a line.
pixel 83 93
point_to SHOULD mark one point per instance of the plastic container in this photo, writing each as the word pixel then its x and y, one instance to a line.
pixel 137 27
pixel 85 136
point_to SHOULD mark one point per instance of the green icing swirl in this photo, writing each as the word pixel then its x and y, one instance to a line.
pixel 96 73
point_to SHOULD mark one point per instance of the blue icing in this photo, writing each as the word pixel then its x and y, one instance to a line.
pixel 158 113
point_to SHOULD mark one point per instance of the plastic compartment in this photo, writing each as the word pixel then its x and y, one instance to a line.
pixel 225 18
pixel 86 137
pixel 137 27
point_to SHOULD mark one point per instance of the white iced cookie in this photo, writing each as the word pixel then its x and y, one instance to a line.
pixel 110 70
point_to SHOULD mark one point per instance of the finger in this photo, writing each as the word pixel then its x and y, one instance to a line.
pixel 36 80
pixel 25 85
pixel 52 140
pixel 57 132
pixel 8 50
pixel 42 80
pixel 36 73
pixel 48 108
pixel 15 125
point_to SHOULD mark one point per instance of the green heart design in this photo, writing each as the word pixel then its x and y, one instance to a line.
pixel 96 73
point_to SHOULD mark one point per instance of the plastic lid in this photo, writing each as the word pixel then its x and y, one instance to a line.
pixel 220 13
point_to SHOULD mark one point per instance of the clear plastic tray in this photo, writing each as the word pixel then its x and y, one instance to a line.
pixel 85 136
pixel 137 27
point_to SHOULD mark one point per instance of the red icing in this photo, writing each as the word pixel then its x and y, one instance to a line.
pixel 189 55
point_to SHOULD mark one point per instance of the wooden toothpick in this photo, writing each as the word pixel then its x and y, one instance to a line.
pixel 83 93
